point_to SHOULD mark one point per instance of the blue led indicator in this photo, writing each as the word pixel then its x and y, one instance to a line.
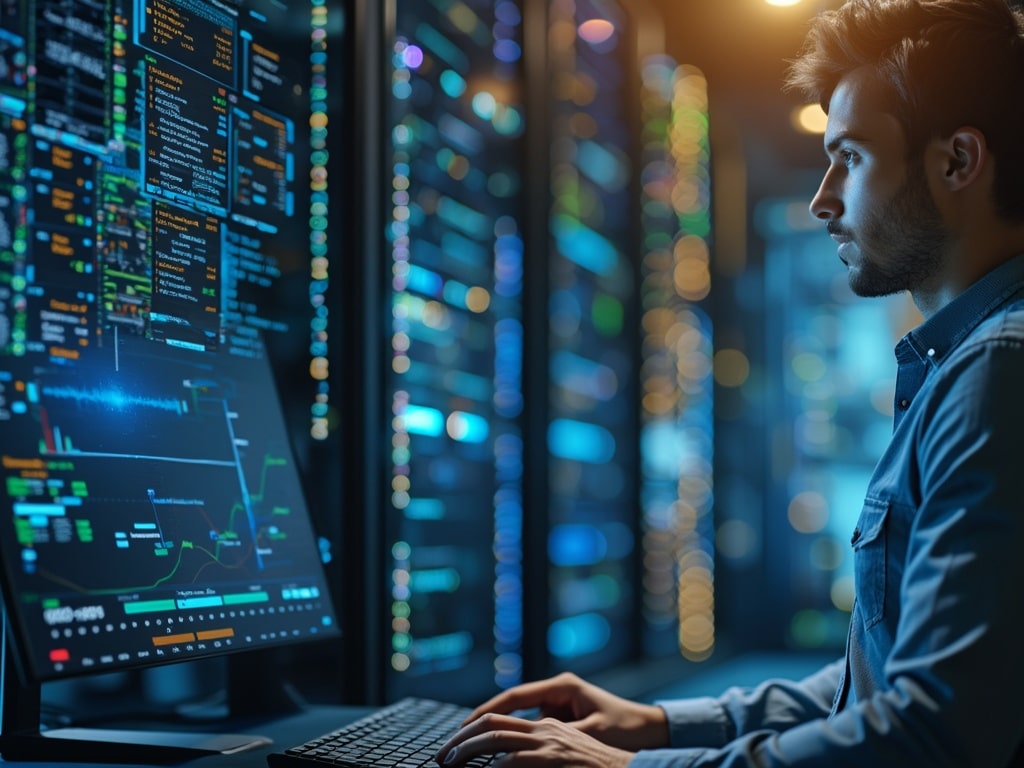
pixel 576 545
pixel 468 427
pixel 584 246
pixel 424 281
pixel 444 48
pixel 423 421
pixel 578 635
pixel 452 83
pixel 579 441
pixel 424 509
pixel 507 50
pixel 604 165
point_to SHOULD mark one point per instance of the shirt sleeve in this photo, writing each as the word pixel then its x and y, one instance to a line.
pixel 776 704
pixel 954 674
pixel 700 723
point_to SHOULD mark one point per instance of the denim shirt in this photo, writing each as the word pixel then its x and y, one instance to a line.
pixel 934 668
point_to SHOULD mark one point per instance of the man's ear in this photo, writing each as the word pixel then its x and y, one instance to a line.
pixel 961 157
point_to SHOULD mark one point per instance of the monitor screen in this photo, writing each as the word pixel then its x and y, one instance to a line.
pixel 161 167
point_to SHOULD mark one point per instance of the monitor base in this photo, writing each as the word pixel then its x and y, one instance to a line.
pixel 92 745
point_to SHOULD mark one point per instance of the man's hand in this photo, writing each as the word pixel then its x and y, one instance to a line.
pixel 533 743
pixel 610 719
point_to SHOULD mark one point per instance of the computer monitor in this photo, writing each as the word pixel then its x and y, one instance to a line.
pixel 162 164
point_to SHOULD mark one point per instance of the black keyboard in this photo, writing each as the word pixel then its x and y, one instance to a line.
pixel 406 734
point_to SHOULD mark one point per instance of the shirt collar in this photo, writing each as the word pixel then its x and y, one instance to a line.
pixel 935 337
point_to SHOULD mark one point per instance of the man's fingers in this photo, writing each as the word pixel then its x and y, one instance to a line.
pixel 487 723
pixel 491 734
pixel 526 696
pixel 491 743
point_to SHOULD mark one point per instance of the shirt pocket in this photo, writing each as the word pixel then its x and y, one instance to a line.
pixel 869 561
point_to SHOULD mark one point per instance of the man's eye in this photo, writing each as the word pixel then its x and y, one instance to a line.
pixel 847 157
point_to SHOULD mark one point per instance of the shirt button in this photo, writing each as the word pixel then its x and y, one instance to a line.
pixel 904 404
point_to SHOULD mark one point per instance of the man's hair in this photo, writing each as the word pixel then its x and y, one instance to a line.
pixel 944 64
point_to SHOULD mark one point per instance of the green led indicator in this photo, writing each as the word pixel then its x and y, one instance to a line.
pixel 24 532
pixel 150 606
pixel 246 597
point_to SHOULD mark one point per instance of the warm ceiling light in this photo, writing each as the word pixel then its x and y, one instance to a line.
pixel 810 118
pixel 596 31
pixel 782 2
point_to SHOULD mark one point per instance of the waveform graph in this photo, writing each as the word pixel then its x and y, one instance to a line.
pixel 185 522
pixel 157 527
pixel 152 412
pixel 271 502
pixel 73 403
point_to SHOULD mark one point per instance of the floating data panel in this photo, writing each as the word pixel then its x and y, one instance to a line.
pixel 161 182
pixel 454 521
pixel 591 437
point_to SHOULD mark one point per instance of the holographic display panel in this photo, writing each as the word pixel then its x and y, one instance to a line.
pixel 454 522
pixel 156 160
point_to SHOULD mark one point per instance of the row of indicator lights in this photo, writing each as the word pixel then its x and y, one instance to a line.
pixel 63 655
pixel 154 606
pixel 190 637
pixel 169 621
pixel 678 394
pixel 319 366
pixel 162 606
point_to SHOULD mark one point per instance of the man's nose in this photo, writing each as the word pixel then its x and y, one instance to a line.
pixel 826 204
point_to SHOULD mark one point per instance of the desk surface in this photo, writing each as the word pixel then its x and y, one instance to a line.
pixel 284 732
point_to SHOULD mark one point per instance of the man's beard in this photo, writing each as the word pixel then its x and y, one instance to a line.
pixel 902 242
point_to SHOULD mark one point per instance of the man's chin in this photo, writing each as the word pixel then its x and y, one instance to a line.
pixel 860 284
pixel 870 289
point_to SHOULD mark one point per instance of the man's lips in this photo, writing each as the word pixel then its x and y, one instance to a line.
pixel 842 239
pixel 839 235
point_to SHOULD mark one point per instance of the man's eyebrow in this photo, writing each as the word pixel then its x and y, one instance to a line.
pixel 843 137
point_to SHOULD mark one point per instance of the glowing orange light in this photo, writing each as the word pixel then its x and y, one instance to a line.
pixel 809 118
pixel 596 31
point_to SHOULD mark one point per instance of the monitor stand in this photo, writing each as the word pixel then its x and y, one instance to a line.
pixel 22 738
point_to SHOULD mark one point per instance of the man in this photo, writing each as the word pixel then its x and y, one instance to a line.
pixel 924 192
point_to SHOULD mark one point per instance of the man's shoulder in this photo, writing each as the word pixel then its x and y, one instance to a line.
pixel 987 359
pixel 988 352
pixel 1003 326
